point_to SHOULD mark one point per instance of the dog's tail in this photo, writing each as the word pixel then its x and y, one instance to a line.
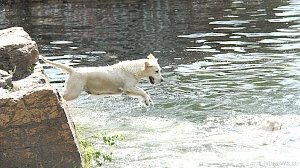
pixel 66 68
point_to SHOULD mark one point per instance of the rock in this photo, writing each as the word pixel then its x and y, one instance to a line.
pixel 35 126
pixel 5 79
pixel 18 52
pixel 271 124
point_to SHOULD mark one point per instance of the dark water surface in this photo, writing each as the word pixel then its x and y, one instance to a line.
pixel 228 65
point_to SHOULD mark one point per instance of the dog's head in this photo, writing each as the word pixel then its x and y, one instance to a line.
pixel 153 69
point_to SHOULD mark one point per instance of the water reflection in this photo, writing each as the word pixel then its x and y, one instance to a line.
pixel 227 64
pixel 148 26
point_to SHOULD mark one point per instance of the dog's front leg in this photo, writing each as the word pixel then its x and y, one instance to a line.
pixel 136 91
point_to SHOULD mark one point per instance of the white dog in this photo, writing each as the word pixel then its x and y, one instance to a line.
pixel 119 78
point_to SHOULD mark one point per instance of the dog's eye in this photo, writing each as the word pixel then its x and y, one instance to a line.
pixel 156 71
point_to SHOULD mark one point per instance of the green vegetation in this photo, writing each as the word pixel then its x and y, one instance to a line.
pixel 30 68
pixel 12 72
pixel 89 150
pixel 10 87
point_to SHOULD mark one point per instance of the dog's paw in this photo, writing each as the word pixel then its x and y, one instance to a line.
pixel 148 100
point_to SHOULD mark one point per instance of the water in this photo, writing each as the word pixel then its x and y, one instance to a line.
pixel 228 65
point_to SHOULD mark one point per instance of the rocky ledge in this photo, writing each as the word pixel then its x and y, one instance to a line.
pixel 35 126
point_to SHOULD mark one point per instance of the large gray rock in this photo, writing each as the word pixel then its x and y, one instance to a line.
pixel 35 126
pixel 18 52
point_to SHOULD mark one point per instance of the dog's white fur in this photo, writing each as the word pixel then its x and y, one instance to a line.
pixel 119 78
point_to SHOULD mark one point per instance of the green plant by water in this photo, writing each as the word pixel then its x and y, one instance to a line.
pixel 92 154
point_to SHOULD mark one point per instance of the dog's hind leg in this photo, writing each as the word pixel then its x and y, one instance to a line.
pixel 136 91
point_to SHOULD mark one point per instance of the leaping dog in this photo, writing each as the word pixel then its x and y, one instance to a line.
pixel 119 78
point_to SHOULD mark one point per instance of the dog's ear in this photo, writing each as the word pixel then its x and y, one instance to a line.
pixel 147 64
pixel 151 56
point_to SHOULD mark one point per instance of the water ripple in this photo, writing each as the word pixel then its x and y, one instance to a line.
pixel 197 35
pixel 230 22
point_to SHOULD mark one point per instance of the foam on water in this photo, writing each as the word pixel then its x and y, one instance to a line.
pixel 160 140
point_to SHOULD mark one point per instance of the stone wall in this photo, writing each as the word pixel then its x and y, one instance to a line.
pixel 35 126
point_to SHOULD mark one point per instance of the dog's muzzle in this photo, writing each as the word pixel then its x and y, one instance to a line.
pixel 152 80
